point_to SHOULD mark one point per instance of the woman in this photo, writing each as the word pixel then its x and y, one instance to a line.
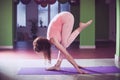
pixel 60 34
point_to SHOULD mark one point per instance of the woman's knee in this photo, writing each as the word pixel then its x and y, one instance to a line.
pixel 64 44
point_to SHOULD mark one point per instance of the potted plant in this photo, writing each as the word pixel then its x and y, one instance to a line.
pixel 34 27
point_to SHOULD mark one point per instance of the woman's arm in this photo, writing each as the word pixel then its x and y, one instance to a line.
pixel 65 53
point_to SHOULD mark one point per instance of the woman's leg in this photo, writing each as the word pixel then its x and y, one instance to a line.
pixel 66 32
pixel 68 37
pixel 58 63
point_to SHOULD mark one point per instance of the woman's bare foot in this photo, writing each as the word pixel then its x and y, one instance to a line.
pixel 80 66
pixel 53 68
pixel 82 72
pixel 56 66
pixel 84 25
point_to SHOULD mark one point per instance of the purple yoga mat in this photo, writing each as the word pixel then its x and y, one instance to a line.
pixel 68 70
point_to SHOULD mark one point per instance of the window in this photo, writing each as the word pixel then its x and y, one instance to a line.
pixel 45 14
pixel 65 7
pixel 21 15
pixel 53 10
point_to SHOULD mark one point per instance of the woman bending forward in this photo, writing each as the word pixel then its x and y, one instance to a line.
pixel 60 34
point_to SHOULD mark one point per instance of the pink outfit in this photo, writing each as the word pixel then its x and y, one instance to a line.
pixel 55 28
pixel 61 27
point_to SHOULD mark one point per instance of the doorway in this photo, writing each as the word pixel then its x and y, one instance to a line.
pixel 105 11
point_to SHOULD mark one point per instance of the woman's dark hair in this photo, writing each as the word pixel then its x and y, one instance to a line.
pixel 43 44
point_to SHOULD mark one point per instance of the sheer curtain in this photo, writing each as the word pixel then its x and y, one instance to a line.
pixel 21 15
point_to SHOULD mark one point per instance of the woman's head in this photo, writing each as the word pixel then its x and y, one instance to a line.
pixel 42 45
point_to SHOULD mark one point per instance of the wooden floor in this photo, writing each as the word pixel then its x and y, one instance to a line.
pixel 11 61
pixel 24 49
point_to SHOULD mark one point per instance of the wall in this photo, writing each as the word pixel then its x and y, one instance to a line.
pixel 117 55
pixel 118 29
pixel 87 12
pixel 6 32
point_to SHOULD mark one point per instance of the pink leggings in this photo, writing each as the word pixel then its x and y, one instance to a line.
pixel 67 36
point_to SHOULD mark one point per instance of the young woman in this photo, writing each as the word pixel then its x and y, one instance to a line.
pixel 60 34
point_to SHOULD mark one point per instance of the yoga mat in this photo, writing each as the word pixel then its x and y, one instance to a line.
pixel 68 70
